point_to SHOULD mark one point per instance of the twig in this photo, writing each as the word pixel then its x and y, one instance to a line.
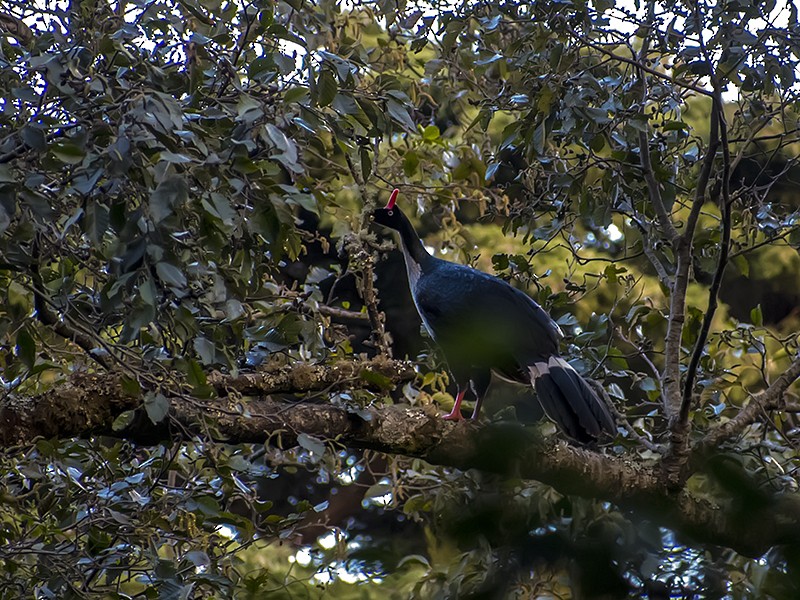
pixel 623 420
pixel 771 399
pixel 88 344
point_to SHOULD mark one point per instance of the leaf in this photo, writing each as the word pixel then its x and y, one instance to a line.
pixel 377 379
pixel 757 317
pixel 314 445
pixel 172 191
pixel 26 348
pixel 366 163
pixel 378 490
pixel 198 558
pixel 674 126
pixel 197 379
pixel 431 133
pixel 157 406
pixel 130 386
pixel 326 87
pixel 67 152
pixel 171 275
pixel 295 94
pixel 70 222
pixel 205 349
pixel 124 420
pixel 34 137
pixel 97 220
pixel 410 163
pixel 305 125
pixel 648 384
pixel 174 157
pixel 400 114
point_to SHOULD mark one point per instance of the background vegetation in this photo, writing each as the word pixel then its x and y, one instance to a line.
pixel 214 381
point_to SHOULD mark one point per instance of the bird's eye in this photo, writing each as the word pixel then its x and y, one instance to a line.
pixel 391 213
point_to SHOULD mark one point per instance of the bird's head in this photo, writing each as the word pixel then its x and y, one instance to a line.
pixel 390 215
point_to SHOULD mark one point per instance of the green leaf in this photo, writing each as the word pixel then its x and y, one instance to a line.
pixel 366 162
pixel 314 445
pixel 742 264
pixel 124 420
pixel 171 192
pixel 34 137
pixel 295 94
pixel 674 126
pixel 431 133
pixel 130 386
pixel 399 113
pixel 377 379
pixel 757 317
pixel 326 87
pixel 205 350
pixel 67 152
pixel 171 275
pixel 157 406
pixel 410 163
pixel 97 220
pixel 26 348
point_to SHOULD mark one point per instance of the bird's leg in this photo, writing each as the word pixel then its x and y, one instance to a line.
pixel 479 381
pixel 477 409
pixel 455 414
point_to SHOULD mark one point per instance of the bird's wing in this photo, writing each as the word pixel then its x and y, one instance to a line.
pixel 479 319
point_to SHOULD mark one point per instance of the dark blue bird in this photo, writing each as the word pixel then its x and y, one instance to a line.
pixel 483 324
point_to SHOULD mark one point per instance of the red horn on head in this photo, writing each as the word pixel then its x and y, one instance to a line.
pixel 392 199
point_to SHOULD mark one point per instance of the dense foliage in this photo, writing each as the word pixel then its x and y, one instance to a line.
pixel 185 189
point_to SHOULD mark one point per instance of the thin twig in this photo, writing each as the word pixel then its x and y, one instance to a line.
pixel 771 399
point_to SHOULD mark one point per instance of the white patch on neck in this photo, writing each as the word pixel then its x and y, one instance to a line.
pixel 414 270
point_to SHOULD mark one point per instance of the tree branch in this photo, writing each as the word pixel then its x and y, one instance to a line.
pixel 89 404
pixel 299 377
pixel 722 262
pixel 656 199
pixel 771 399
pixel 59 326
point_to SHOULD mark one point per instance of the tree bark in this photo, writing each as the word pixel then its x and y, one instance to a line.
pixel 89 405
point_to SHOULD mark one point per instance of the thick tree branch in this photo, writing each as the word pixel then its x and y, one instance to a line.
pixel 89 404
pixel 300 377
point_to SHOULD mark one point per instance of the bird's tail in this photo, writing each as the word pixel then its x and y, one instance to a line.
pixel 569 401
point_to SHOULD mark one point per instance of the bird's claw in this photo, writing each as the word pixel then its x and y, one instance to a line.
pixel 454 416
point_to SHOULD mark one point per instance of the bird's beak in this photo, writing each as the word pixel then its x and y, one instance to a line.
pixel 392 199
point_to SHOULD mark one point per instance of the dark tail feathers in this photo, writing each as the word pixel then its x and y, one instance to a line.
pixel 569 401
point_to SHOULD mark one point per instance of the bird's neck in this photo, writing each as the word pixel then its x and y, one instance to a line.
pixel 417 258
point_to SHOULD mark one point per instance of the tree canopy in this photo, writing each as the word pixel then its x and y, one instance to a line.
pixel 214 380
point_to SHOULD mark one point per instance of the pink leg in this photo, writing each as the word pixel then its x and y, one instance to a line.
pixel 455 414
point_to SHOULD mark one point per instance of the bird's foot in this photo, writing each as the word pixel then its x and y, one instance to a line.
pixel 454 415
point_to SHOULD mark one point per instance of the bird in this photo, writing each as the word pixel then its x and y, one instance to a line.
pixel 482 324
